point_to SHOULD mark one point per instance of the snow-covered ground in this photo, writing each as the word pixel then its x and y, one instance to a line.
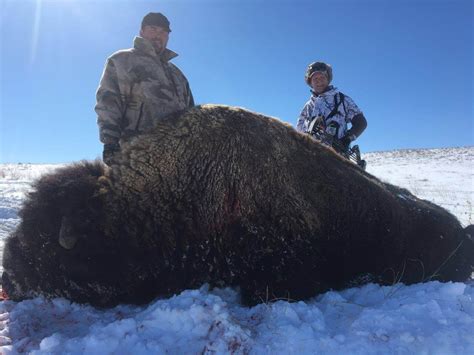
pixel 443 176
pixel 431 318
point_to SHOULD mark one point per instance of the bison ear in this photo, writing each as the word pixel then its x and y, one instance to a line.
pixel 67 239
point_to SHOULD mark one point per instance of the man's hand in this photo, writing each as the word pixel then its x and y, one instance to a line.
pixel 110 150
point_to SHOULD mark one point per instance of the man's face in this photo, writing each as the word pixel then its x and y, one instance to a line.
pixel 319 82
pixel 158 36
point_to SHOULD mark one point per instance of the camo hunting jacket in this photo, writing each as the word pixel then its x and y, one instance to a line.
pixel 137 88
pixel 322 105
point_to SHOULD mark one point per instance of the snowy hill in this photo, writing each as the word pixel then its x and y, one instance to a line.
pixel 443 176
pixel 435 318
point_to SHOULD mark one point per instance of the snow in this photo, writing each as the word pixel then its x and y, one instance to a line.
pixel 443 176
pixel 429 318
pixel 435 318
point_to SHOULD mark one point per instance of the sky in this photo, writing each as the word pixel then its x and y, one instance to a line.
pixel 408 64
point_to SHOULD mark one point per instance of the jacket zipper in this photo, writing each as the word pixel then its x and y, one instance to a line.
pixel 170 78
pixel 139 116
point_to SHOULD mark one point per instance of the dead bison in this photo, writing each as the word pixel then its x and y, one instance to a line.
pixel 228 197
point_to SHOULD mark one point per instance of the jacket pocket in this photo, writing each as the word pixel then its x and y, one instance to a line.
pixel 133 116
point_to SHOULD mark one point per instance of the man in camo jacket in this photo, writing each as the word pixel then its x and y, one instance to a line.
pixel 139 86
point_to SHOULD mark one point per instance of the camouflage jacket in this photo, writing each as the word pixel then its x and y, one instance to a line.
pixel 322 105
pixel 137 88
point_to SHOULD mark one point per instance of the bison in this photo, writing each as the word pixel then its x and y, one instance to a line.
pixel 224 196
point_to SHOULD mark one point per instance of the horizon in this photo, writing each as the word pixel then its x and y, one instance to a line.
pixel 366 153
pixel 399 61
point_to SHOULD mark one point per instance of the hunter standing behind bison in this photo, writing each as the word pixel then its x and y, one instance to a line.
pixel 328 112
pixel 140 86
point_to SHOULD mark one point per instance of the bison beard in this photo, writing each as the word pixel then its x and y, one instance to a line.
pixel 228 197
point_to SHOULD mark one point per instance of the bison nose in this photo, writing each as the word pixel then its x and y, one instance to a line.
pixel 67 239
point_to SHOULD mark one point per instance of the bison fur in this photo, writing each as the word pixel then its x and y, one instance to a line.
pixel 224 196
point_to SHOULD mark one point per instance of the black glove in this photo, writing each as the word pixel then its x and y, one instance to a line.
pixel 347 139
pixel 110 150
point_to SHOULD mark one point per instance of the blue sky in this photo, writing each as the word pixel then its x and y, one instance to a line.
pixel 407 64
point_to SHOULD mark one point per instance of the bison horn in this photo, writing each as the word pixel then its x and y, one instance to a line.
pixel 66 238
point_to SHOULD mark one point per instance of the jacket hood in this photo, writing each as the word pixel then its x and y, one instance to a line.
pixel 143 45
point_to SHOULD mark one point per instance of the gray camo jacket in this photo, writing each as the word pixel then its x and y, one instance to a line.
pixel 137 88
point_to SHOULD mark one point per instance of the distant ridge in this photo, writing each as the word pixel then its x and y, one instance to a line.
pixel 401 150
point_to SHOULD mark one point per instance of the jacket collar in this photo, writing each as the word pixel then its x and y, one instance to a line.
pixel 330 90
pixel 143 45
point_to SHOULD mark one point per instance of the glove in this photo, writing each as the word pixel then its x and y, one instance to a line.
pixel 110 150
pixel 347 139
